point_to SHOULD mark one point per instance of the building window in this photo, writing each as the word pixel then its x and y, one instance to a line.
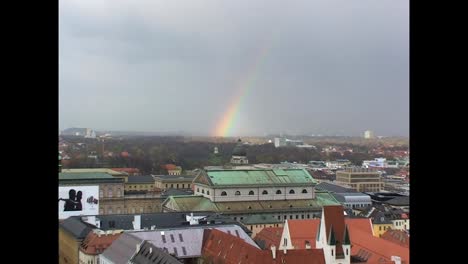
pixel 203 191
pixel 101 193
pixel 332 252
pixel 183 186
pixel 118 210
pixel 347 252
pixel 380 228
pixel 251 193
pixel 237 193
pixel 308 215
pixel 304 191
pixel 290 217
pixel 223 193
pixel 189 186
pixel 285 241
pixel 109 192
pixel 172 185
pixel 264 192
pixel 166 185
pixel 297 216
pixel 198 190
pixel 278 192
pixel 302 216
pixel 118 192
pixel 208 192
pixel 285 217
pixel 177 186
pixel 279 217
pixel 291 192
pixel 141 209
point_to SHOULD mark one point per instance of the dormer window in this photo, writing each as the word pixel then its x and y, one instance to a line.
pixel 237 193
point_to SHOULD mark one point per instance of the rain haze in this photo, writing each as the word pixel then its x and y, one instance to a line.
pixel 234 68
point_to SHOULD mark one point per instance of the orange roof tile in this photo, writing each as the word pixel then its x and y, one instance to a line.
pixel 271 236
pixel 302 230
pixel 398 237
pixel 219 247
pixel 374 249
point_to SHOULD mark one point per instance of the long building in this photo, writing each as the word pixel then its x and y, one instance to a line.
pixel 240 192
pixel 361 180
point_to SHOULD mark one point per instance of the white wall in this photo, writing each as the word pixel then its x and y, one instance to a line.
pixel 215 194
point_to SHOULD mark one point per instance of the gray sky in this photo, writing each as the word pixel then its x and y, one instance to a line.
pixel 330 66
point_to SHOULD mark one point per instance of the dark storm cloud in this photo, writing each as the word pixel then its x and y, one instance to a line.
pixel 336 67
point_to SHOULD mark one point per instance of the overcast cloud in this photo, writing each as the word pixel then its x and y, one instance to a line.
pixel 331 66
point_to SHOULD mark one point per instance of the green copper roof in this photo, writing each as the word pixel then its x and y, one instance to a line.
pixel 325 198
pixel 263 177
pixel 260 219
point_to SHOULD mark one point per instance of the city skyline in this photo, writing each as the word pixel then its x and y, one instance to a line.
pixel 226 69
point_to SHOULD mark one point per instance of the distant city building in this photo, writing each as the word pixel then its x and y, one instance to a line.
pixel 284 142
pixel 165 182
pixel 360 179
pixel 172 169
pixel 90 133
pixel 338 164
pixel 369 134
pixel 239 154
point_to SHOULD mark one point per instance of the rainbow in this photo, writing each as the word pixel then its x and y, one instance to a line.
pixel 225 125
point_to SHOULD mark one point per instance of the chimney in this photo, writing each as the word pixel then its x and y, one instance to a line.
pixel 273 251
pixel 307 245
pixel 396 259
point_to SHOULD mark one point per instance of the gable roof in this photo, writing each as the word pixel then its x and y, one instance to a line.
pixel 78 229
pixel 334 221
pixel 150 254
pixel 302 231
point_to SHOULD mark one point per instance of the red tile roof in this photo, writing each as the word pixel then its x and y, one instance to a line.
pixel 219 247
pixel 95 244
pixel 374 249
pixel 271 236
pixel 334 217
pixel 398 237
pixel 302 231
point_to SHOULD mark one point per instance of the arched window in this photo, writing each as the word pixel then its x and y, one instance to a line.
pixel 278 192
pixel 291 191
pixel 251 193
pixel 304 191
pixel 223 193
pixel 237 193
pixel 264 192
pixel 198 189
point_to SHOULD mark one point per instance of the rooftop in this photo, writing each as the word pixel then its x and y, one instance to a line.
pixel 76 227
pixel 150 254
pixel 95 243
pixel 141 179
pixel 334 188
